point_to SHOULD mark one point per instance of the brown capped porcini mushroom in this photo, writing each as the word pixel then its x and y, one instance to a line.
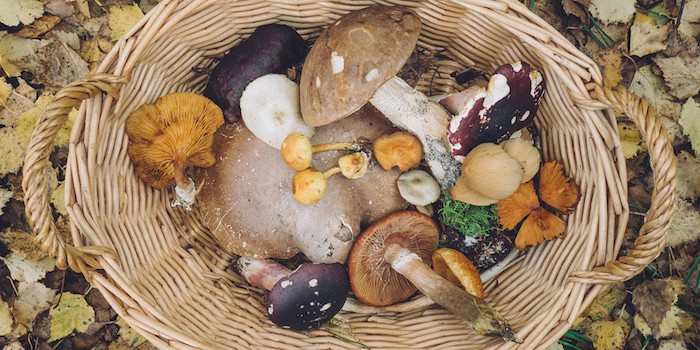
pixel 390 260
pixel 170 135
pixel 246 197
pixel 400 149
pixel 488 175
pixel 355 60
pixel 300 299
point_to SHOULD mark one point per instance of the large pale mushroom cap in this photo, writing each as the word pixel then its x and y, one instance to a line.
pixel 353 58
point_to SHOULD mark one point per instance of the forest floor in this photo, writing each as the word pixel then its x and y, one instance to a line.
pixel 649 46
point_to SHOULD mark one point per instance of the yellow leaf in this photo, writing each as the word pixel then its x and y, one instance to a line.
pixel 71 314
pixel 610 335
pixel 17 53
pixel 128 336
pixel 647 37
pixel 5 91
pixel 690 121
pixel 12 155
pixel 6 319
pixel 122 18
pixel 26 122
pixel 15 12
pixel 630 139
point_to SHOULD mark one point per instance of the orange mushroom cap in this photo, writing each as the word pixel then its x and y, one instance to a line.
pixel 455 267
pixel 557 190
pixel 400 149
pixel 175 131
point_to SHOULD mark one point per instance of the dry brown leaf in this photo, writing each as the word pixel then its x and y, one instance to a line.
pixel 39 27
pixel 690 121
pixel 684 224
pixel 690 19
pixel 611 63
pixel 649 85
pixel 657 315
pixel 576 8
pixel 647 37
pixel 688 175
pixel 58 65
pixel 681 75
pixel 608 12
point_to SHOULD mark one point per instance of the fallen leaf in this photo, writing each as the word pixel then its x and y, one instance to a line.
pixel 16 345
pixel 604 304
pixel 576 8
pixel 611 62
pixel 23 242
pixel 12 155
pixel 646 36
pixel 58 65
pixel 630 139
pixel 609 12
pixel 58 199
pixel 5 91
pixel 672 344
pixel 82 6
pixel 122 18
pixel 680 44
pixel 681 74
pixel 32 299
pixel 6 319
pixel 652 87
pixel 684 224
pixel 71 314
pixel 15 12
pixel 657 315
pixel 609 335
pixel 24 270
pixel 94 51
pixel 60 8
pixel 39 27
pixel 690 121
pixel 690 19
pixel 17 53
pixel 128 336
pixel 688 175
pixel 5 196
pixel 26 122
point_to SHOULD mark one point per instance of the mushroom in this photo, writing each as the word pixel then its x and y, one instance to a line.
pixel 297 151
pixel 400 149
pixel 301 299
pixel 309 185
pixel 170 135
pixel 271 48
pixel 270 109
pixel 492 115
pixel 355 61
pixel 454 266
pixel 539 224
pixel 526 153
pixel 418 187
pixel 390 260
pixel 488 175
pixel 246 198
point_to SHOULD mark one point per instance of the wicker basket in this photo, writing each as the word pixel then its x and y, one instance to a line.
pixel 160 268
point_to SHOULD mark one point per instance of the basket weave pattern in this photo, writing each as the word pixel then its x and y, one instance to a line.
pixel 162 271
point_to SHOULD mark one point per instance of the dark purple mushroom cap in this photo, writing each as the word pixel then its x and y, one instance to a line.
pixel 494 114
pixel 309 296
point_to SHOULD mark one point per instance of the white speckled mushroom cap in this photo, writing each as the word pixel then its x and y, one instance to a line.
pixel 352 58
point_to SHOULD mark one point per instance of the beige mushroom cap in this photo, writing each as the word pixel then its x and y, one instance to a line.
pixel 352 58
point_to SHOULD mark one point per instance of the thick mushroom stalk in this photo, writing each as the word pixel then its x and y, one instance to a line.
pixel 479 314
pixel 390 260
pixel 355 61
pixel 300 299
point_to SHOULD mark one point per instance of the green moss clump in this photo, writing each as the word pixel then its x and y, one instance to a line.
pixel 470 220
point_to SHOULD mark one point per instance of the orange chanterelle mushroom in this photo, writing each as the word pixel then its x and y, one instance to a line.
pixel 170 135
pixel 556 191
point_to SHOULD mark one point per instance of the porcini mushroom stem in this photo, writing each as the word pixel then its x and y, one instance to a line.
pixel 483 318
pixel 262 273
pixel 412 111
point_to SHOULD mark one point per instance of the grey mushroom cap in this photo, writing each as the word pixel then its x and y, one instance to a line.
pixel 309 296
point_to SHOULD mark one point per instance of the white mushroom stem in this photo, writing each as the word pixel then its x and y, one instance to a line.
pixel 476 312
pixel 262 273
pixel 185 189
pixel 414 112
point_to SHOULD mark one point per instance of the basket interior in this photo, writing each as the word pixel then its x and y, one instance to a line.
pixel 172 282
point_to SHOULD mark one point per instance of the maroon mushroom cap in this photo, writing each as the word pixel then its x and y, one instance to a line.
pixel 492 115
pixel 309 296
